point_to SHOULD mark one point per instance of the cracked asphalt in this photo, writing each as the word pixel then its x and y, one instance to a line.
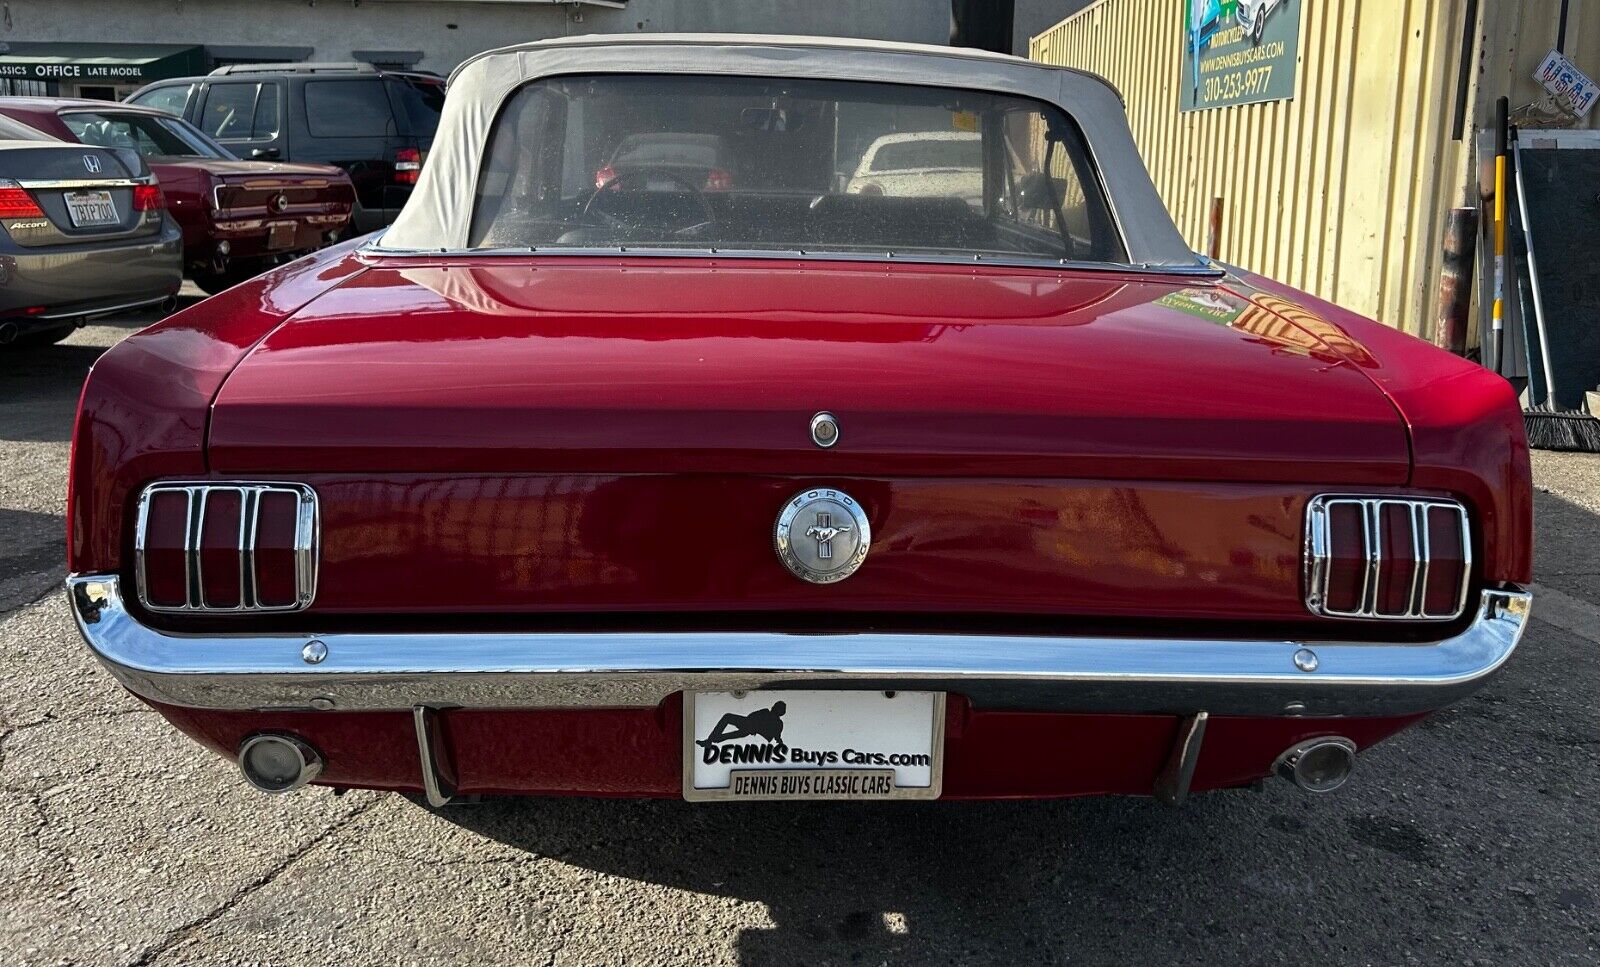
pixel 1472 839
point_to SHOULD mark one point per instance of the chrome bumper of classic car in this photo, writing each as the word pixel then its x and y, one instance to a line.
pixel 362 671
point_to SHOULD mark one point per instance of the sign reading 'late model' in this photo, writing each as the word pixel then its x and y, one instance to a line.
pixel 1239 52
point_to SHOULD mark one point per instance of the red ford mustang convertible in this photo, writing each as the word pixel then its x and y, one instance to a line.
pixel 649 482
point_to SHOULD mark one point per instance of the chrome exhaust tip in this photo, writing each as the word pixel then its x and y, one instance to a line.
pixel 278 763
pixel 1318 765
pixel 8 333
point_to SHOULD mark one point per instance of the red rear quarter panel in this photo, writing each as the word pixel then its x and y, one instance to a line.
pixel 1465 422
pixel 146 402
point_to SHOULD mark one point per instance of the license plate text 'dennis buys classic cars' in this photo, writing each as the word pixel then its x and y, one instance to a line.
pixel 785 418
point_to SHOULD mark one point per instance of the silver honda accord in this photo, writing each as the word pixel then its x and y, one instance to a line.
pixel 85 233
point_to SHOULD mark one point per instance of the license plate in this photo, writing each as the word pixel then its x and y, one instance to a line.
pixel 812 745
pixel 280 236
pixel 92 209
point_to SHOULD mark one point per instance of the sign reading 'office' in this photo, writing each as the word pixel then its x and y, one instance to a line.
pixel 55 72
pixel 1238 52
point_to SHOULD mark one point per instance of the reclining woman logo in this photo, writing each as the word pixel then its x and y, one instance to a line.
pixel 765 722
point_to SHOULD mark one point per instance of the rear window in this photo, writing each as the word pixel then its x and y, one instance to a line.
pixel 151 135
pixel 422 102
pixel 747 163
pixel 173 99
pixel 348 109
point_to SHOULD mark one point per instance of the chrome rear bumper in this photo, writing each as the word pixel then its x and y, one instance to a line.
pixel 351 671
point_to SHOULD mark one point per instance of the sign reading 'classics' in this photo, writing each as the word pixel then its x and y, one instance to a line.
pixel 1238 52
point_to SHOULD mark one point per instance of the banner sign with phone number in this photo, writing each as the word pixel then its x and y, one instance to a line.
pixel 1238 52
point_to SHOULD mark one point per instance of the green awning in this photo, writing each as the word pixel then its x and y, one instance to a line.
pixel 102 63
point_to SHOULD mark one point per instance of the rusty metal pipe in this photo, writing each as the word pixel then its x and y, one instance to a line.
pixel 1455 280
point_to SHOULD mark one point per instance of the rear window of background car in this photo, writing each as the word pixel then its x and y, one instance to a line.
pixel 172 99
pixel 348 109
pixel 422 102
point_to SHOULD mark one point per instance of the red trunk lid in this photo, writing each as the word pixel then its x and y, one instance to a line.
pixel 645 366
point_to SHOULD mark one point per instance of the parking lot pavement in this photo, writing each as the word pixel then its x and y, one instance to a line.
pixel 1471 839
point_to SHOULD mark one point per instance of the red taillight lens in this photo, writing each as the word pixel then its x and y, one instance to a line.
pixel 227 547
pixel 718 180
pixel 605 176
pixel 1447 562
pixel 15 202
pixel 148 198
pixel 1347 558
pixel 1387 557
pixel 407 166
pixel 220 544
pixel 165 549
pixel 1396 583
pixel 276 522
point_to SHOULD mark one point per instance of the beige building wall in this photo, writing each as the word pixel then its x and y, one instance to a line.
pixel 1342 190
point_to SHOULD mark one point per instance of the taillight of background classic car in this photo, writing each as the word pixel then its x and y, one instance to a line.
pixel 221 547
pixel 1384 557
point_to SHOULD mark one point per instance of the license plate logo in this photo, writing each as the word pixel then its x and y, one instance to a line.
pixel 92 209
pixel 813 745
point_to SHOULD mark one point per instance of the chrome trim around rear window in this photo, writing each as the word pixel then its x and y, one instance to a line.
pixel 1080 673
pixel 1200 268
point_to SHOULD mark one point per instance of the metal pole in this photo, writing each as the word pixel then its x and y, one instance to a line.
pixel 1455 281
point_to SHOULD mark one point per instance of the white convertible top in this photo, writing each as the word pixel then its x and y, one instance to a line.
pixel 439 212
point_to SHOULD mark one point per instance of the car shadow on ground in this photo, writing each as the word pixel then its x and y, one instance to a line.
pixel 31 554
pixel 40 385
pixel 1463 837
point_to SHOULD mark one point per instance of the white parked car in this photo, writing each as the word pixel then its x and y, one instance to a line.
pixel 922 164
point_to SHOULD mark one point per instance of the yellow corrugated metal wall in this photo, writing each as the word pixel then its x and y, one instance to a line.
pixel 1340 191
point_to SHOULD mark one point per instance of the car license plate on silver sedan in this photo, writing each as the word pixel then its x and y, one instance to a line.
pixel 812 745
pixel 92 209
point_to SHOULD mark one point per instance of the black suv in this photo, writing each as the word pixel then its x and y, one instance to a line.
pixel 375 124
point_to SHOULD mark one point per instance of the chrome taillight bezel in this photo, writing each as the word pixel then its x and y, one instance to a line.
pixel 1318 555
pixel 307 538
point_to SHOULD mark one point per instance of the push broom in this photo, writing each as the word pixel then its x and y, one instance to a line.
pixel 1549 427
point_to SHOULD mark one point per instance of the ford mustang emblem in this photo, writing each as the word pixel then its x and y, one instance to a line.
pixel 822 536
pixel 280 202
pixel 92 164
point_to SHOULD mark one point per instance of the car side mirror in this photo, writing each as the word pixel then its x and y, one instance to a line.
pixel 1033 193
